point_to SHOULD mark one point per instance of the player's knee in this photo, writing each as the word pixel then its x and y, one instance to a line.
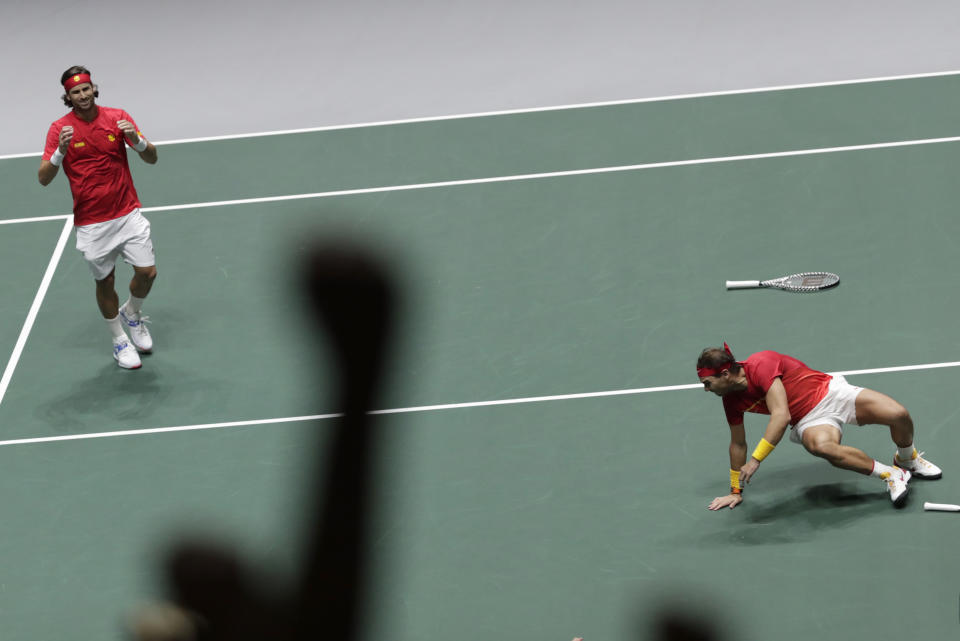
pixel 147 273
pixel 899 414
pixel 823 449
pixel 106 282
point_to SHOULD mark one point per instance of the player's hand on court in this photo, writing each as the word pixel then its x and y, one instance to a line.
pixel 66 135
pixel 129 131
pixel 730 500
pixel 747 470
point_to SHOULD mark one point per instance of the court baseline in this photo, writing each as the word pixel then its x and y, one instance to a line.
pixel 432 408
pixel 520 177
pixel 510 112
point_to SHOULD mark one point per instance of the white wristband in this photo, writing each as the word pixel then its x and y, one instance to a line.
pixel 56 158
pixel 140 146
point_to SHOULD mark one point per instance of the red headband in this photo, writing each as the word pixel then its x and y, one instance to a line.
pixel 76 79
pixel 703 372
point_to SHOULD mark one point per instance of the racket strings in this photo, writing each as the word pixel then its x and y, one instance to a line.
pixel 809 281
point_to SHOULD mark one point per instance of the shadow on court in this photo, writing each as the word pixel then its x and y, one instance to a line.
pixel 829 505
pixel 106 393
pixel 799 517
pixel 111 395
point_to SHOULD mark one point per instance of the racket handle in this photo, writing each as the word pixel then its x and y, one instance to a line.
pixel 941 507
pixel 742 284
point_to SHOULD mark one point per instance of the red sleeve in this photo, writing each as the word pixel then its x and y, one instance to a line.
pixel 734 416
pixel 765 368
pixel 53 141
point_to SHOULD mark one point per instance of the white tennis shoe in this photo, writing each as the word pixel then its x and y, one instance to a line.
pixel 137 326
pixel 124 353
pixel 919 466
pixel 897 485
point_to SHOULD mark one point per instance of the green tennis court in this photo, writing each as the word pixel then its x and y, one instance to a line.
pixel 560 268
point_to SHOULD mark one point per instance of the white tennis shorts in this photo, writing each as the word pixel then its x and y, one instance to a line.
pixel 839 406
pixel 127 236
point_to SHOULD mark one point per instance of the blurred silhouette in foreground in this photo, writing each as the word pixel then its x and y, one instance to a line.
pixel 216 594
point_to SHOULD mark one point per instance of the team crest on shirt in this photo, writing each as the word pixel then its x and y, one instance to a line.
pixel 111 137
pixel 79 144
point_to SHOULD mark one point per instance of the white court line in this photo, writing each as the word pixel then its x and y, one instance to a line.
pixel 36 219
pixel 557 174
pixel 430 408
pixel 584 105
pixel 536 176
pixel 509 112
pixel 34 308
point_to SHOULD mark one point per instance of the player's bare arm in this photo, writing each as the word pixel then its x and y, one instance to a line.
pixel 149 155
pixel 48 170
pixel 738 456
pixel 776 400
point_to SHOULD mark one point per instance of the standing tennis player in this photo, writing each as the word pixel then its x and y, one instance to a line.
pixel 814 405
pixel 90 144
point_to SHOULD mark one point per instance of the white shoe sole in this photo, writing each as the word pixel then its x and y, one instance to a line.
pixel 123 366
pixel 902 499
pixel 917 475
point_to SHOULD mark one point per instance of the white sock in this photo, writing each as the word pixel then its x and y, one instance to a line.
pixel 905 453
pixel 880 470
pixel 116 326
pixel 133 304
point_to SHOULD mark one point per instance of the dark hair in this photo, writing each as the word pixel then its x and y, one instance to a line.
pixel 717 357
pixel 72 71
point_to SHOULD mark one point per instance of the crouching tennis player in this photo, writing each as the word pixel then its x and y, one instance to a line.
pixel 814 405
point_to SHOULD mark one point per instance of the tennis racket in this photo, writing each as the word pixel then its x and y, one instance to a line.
pixel 941 507
pixel 802 282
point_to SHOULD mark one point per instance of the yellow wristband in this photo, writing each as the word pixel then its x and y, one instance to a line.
pixel 734 479
pixel 764 447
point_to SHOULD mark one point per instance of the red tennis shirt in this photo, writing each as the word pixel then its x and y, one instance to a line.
pixel 96 166
pixel 805 387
